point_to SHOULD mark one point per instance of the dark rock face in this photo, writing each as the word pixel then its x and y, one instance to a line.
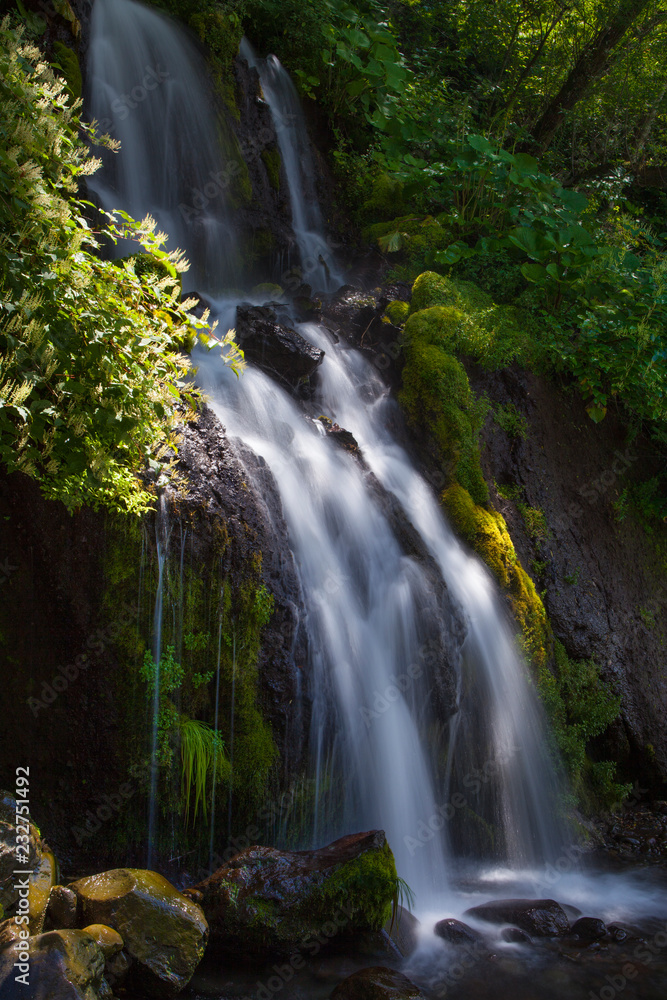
pixel 589 929
pixel 403 930
pixel 539 917
pixel 277 349
pixel 456 932
pixel 598 573
pixel 61 908
pixel 377 984
pixel 61 622
pixel 267 902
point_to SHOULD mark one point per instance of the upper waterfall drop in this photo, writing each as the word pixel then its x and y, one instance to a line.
pixel 147 87
pixel 318 265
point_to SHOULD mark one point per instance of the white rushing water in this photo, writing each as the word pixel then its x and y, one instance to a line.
pixel 369 603
pixel 147 86
pixel 317 263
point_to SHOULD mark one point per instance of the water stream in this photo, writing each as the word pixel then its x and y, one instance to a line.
pixel 370 603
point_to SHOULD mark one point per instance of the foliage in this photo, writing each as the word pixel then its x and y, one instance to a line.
pixel 92 381
pixel 511 420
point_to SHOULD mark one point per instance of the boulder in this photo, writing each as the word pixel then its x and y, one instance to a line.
pixel 42 881
pixel 589 929
pixel 108 940
pixel 403 930
pixel 61 908
pixel 163 932
pixel 456 932
pixel 8 857
pixel 266 902
pixel 9 933
pixel 344 439
pixel 377 984
pixel 64 965
pixel 514 935
pixel 538 917
pixel 276 348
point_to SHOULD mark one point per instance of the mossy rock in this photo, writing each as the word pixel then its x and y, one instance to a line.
pixel 431 289
pixel 486 532
pixel 42 880
pixel 163 931
pixel 107 939
pixel 414 239
pixel 439 325
pixel 397 312
pixel 269 289
pixel 438 401
pixel 267 902
pixel 385 198
pixel 272 161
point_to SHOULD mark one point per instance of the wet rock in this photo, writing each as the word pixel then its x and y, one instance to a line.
pixel 108 940
pixel 344 439
pixel 9 932
pixel 403 929
pixel 618 933
pixel 266 902
pixel 61 908
pixel 42 881
pixel 514 935
pixel 8 856
pixel 456 932
pixel 276 348
pixel 539 917
pixel 163 932
pixel 64 965
pixel 116 969
pixel 589 929
pixel 377 984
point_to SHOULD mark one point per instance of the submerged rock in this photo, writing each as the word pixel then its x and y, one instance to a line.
pixel 277 349
pixel 514 935
pixel 163 932
pixel 540 917
pixel 377 984
pixel 456 932
pixel 64 965
pixel 267 902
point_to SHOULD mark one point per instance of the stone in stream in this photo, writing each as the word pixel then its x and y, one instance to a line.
pixel 108 940
pixel 514 935
pixel 377 984
pixel 61 909
pixel 266 902
pixel 539 917
pixel 456 932
pixel 29 860
pixel 589 929
pixel 64 965
pixel 163 932
pixel 277 349
pixel 403 930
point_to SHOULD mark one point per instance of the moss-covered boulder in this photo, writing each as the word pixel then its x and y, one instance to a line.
pixel 63 965
pixel 439 403
pixel 163 932
pixel 486 531
pixel 108 940
pixel 377 983
pixel 267 902
pixel 397 311
pixel 42 880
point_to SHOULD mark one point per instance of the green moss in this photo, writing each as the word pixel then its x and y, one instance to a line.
pixel 385 198
pixel 486 532
pixel 580 706
pixel 431 289
pixel 437 399
pixel 272 161
pixel 414 240
pixel 269 288
pixel 67 64
pixel 397 312
pixel 370 880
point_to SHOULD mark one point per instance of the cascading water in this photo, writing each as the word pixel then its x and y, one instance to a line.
pixel 147 87
pixel 317 264
pixel 370 605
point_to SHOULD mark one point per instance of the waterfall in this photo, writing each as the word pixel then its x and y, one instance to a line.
pixel 380 754
pixel 317 264
pixel 147 87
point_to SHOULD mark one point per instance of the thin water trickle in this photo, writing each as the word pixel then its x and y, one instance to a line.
pixel 215 726
pixel 318 264
pixel 162 534
pixel 231 735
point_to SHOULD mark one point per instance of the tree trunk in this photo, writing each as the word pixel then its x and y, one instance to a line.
pixel 591 65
